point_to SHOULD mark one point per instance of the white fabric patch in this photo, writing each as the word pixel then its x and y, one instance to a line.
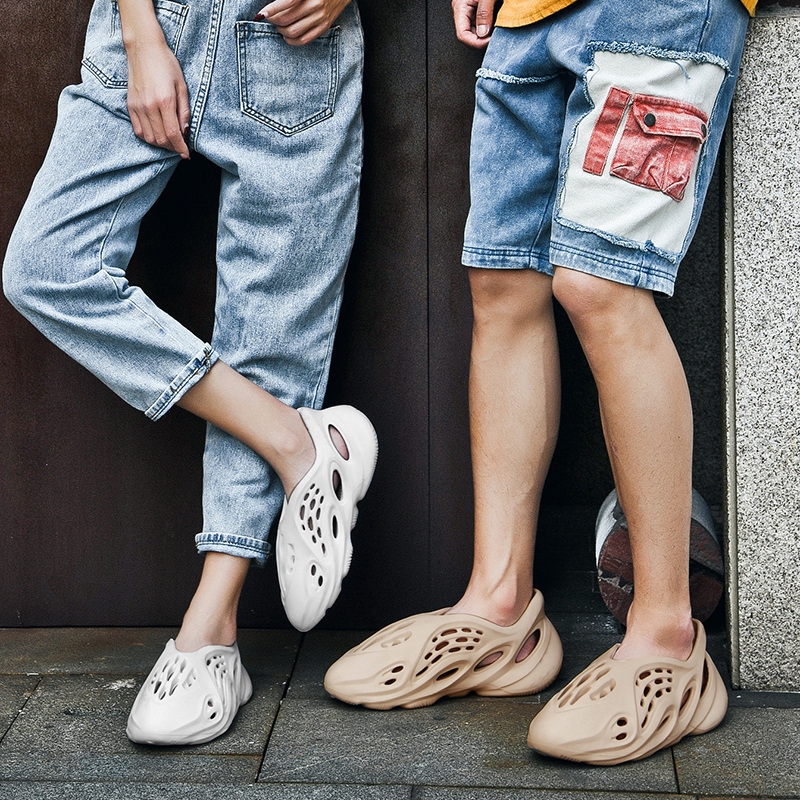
pixel 609 204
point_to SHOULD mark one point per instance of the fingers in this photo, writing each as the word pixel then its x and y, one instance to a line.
pixel 302 21
pixel 162 121
pixel 473 20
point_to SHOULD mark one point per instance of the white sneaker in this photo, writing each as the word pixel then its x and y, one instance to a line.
pixel 313 547
pixel 189 698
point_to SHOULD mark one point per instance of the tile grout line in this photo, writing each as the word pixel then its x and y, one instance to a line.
pixel 21 709
pixel 280 704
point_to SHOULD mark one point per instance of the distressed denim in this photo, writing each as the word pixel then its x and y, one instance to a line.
pixel 595 136
pixel 284 125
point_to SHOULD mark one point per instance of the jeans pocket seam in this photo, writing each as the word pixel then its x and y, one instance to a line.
pixel 250 106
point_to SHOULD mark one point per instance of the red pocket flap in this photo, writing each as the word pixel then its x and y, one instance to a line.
pixel 661 115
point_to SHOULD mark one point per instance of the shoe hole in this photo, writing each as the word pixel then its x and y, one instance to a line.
pixel 424 669
pixel 398 668
pixel 441 645
pixel 687 696
pixel 319 581
pixel 620 736
pixel 528 646
pixel 622 722
pixel 447 674
pixel 337 440
pixel 704 682
pixel 313 569
pixel 390 682
pixel 335 527
pixel 337 484
pixel 489 660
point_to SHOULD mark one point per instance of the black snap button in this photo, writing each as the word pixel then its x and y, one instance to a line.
pixel 704 130
pixel 650 119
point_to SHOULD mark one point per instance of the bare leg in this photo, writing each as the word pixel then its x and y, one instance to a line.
pixel 276 432
pixel 647 421
pixel 514 413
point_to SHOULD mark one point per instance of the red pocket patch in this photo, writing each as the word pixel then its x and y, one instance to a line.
pixel 659 143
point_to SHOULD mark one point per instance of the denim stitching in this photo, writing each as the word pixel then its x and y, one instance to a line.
pixel 249 110
pixel 621 241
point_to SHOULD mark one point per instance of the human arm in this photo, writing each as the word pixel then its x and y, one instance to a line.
pixel 473 19
pixel 158 100
pixel 302 21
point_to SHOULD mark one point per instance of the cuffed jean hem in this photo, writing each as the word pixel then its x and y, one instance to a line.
pixel 505 258
pixel 241 546
pixel 184 381
pixel 651 272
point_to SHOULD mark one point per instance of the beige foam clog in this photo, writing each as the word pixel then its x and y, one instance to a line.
pixel 618 711
pixel 418 660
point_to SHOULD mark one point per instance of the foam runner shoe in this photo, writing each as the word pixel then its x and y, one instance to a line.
pixel 189 698
pixel 313 547
pixel 416 661
pixel 618 711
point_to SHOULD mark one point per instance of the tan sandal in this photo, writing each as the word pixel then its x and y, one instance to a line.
pixel 417 660
pixel 618 711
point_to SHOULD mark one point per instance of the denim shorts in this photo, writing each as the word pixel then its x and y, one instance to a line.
pixel 595 136
pixel 283 123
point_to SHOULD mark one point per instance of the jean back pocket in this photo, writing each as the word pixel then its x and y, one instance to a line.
pixel 286 87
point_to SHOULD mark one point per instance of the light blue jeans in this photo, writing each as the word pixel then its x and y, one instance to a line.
pixel 595 136
pixel 284 125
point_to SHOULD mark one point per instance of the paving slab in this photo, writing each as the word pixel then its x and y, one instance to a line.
pixel 14 693
pixel 479 742
pixel 76 727
pixel 191 791
pixel 124 650
pixel 755 752
pixel 319 650
pixel 460 793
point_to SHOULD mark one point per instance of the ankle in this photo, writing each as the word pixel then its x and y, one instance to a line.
pixel 193 636
pixel 294 451
pixel 655 632
pixel 503 605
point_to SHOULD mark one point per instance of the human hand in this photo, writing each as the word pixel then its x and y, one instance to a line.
pixel 158 100
pixel 473 19
pixel 302 21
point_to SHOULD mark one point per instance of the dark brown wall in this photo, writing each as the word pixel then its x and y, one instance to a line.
pixel 98 506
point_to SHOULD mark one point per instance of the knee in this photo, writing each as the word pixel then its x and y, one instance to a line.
pixel 591 303
pixel 21 285
pixel 509 298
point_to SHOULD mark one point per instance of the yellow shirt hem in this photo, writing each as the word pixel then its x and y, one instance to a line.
pixel 516 13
